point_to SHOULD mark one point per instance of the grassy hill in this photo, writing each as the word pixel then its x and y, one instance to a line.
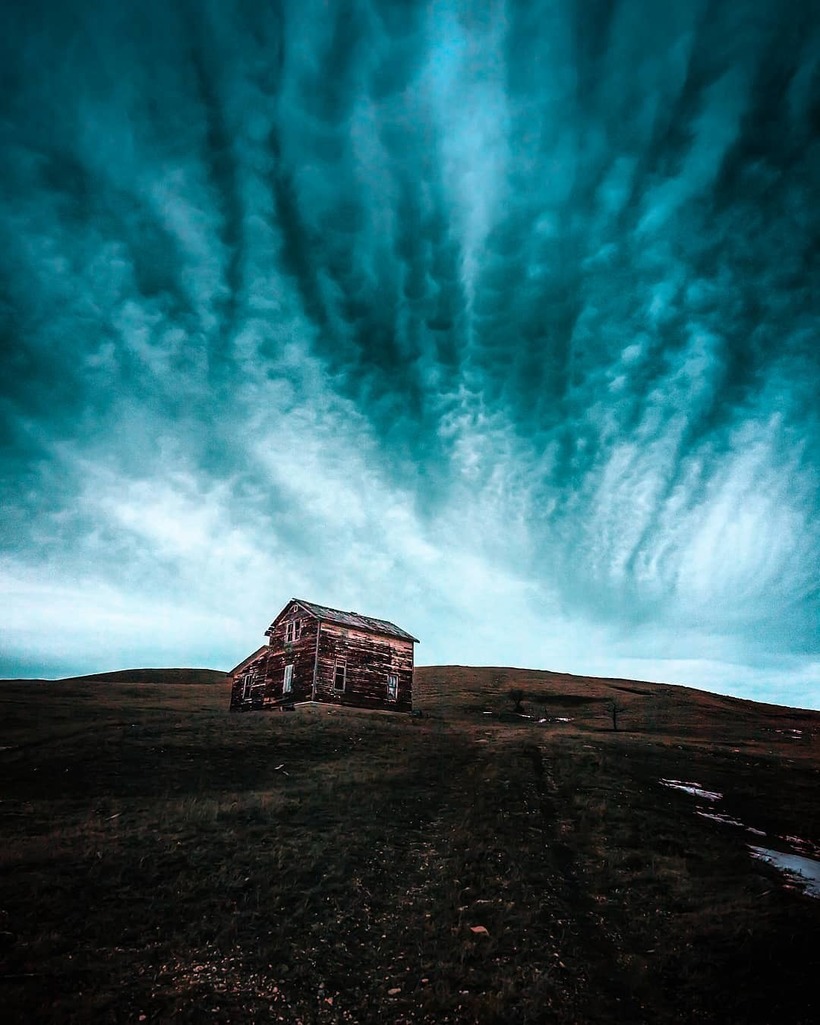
pixel 163 676
pixel 164 858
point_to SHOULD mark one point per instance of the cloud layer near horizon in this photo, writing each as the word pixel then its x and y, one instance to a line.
pixel 496 319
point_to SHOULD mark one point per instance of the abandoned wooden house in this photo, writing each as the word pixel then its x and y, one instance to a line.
pixel 319 654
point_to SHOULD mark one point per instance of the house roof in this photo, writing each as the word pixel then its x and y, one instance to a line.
pixel 354 620
pixel 247 661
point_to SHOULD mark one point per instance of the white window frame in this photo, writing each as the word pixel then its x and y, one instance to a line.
pixel 287 682
pixel 392 686
pixel 247 684
pixel 293 629
pixel 341 663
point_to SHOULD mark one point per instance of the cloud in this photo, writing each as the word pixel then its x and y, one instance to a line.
pixel 429 310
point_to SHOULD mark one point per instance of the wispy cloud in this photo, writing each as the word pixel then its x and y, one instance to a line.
pixel 449 311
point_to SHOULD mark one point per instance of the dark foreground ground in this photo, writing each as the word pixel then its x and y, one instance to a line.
pixel 164 861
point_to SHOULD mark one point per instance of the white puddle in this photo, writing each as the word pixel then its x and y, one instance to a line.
pixel 801 867
pixel 805 872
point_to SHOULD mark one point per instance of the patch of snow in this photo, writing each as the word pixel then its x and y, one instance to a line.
pixel 718 817
pixel 805 847
pixel 691 788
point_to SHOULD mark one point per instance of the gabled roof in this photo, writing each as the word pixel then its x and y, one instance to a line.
pixel 247 661
pixel 353 620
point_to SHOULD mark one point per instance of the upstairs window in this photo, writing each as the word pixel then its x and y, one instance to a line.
pixel 287 686
pixel 392 687
pixel 247 683
pixel 340 675
pixel 292 630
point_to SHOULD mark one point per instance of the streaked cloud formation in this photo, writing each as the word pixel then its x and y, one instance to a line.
pixel 496 319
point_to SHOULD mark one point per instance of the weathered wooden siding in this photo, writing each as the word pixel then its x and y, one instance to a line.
pixel 269 669
pixel 370 659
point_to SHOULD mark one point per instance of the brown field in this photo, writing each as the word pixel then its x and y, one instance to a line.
pixel 164 861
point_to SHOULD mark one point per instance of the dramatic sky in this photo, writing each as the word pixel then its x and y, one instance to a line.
pixel 496 319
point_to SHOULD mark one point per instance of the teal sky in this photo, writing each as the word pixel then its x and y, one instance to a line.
pixel 497 320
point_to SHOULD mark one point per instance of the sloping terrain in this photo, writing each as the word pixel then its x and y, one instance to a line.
pixel 141 676
pixel 167 861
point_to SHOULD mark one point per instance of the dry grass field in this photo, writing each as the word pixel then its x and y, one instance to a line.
pixel 165 861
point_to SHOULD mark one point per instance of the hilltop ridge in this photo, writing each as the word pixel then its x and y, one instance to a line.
pixel 447 687
pixel 164 676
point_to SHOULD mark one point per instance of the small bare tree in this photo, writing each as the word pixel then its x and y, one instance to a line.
pixel 615 708
pixel 516 696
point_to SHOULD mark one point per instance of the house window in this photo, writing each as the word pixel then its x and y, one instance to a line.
pixel 287 686
pixel 292 630
pixel 392 687
pixel 246 686
pixel 340 674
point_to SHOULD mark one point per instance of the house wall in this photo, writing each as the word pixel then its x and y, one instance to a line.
pixel 370 658
pixel 300 653
pixel 268 670
pixel 243 699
